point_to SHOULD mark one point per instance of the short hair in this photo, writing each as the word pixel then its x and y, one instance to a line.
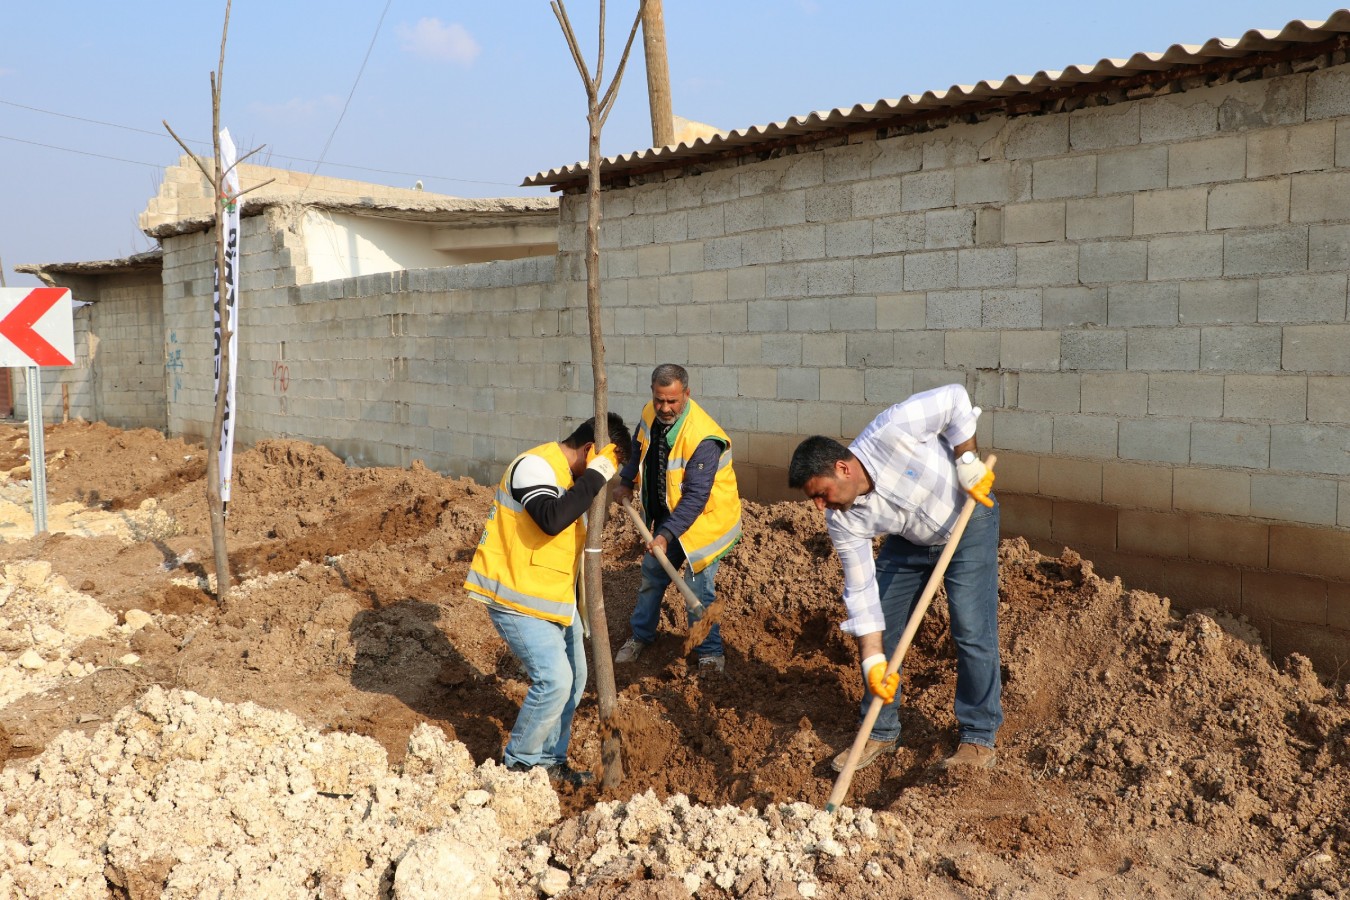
pixel 669 373
pixel 814 457
pixel 619 436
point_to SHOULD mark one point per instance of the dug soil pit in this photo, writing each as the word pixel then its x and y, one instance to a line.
pixel 332 731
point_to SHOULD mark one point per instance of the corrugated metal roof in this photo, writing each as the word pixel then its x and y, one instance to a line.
pixel 1298 31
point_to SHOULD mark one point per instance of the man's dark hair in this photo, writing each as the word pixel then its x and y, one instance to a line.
pixel 815 456
pixel 619 435
pixel 669 373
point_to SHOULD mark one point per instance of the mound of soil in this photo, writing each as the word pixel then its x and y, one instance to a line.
pixel 1144 753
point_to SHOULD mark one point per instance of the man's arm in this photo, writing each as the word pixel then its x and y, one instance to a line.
pixel 534 487
pixel 861 596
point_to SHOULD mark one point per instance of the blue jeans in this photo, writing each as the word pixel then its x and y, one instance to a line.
pixel 647 610
pixel 554 657
pixel 972 597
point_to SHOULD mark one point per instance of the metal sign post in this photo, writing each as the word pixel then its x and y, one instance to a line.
pixel 37 450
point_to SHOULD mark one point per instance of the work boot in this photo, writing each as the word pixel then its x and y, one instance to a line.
pixel 871 751
pixel 630 651
pixel 712 665
pixel 565 774
pixel 973 756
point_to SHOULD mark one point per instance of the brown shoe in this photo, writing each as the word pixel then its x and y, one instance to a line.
pixel 871 751
pixel 975 756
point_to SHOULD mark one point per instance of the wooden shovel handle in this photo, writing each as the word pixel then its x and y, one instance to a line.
pixel 845 778
pixel 691 602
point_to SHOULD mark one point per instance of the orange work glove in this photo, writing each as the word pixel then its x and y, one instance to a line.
pixel 606 462
pixel 975 477
pixel 881 684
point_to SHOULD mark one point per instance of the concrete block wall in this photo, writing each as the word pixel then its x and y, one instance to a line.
pixel 119 370
pixel 461 368
pixel 1149 298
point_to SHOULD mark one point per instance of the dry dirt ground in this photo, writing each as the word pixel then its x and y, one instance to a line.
pixel 1145 753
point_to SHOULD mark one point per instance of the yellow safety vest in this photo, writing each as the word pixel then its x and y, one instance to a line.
pixel 718 527
pixel 520 567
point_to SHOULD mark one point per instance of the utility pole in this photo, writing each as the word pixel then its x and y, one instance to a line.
pixel 658 73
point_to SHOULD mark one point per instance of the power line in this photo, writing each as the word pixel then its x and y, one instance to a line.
pixel 134 162
pixel 284 156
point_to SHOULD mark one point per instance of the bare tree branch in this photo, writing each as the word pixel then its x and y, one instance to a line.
pixel 613 93
pixel 205 172
pixel 560 12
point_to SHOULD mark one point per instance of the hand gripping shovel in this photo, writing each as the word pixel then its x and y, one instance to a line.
pixel 845 778
pixel 692 604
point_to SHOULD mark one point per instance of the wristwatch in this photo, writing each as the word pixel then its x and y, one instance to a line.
pixel 967 458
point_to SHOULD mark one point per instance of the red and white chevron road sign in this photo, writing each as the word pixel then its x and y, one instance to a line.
pixel 37 327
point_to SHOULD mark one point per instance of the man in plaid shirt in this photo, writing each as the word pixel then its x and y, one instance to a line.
pixel 906 476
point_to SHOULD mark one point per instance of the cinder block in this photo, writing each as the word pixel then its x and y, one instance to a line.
pixel 852 313
pixel 1317 449
pixel 987 182
pixel 1230 444
pixel 883 387
pixel 825 350
pixel 1153 533
pixel 921 349
pixel 933 271
pixel 1218 491
pixel 801 242
pixel 1084 526
pixel 798 384
pixel 1319 197
pixel 1240 348
pixel 1207 161
pixel 1269 251
pixel 1219 302
pixel 1018 473
pixel 1016 308
pixel 1329 92
pixel 1303 298
pixel 1329 245
pixel 1027 432
pixel 903 311
pixel 1193 585
pixel 1098 217
pixel 1251 204
pixel 1281 151
pixel 1115 393
pixel 806 314
pixel 1111 262
pixel 1073 306
pixel 758 382
pixel 1093 350
pixel 1294 498
pixel 785 208
pixel 1069 176
pixel 1136 486
pixel 955 309
pixel 876 349
pixel 1314 551
pixel 1028 351
pixel 972 349
pixel 903 233
pixel 875 274
pixel 928 190
pixel 1191 396
pixel 1031 136
pixel 1143 304
pixel 841 385
pixel 1079 435
pixel 1025 515
pixel 1176 210
pixel 1049 265
pixel 843 163
pixel 1049 392
pixel 1069 479
pixel 851 239
pixel 1128 171
pixel 1229 541
pixel 1177 117
pixel 991 267
pixel 1329 399
pixel 745 214
pixel 1277 595
pixel 1338 609
pixel 1316 348
pixel 1029 223
pixel 949 228
pixel 1185 256
pixel 1095 128
pixel 745 283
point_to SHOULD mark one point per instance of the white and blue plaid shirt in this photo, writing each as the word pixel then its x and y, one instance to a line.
pixel 907 450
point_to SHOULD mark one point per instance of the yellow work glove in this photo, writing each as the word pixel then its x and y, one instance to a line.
pixel 975 477
pixel 606 462
pixel 880 684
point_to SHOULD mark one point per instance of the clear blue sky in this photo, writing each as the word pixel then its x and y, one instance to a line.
pixel 473 97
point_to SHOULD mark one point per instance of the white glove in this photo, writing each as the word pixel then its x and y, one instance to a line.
pixel 970 469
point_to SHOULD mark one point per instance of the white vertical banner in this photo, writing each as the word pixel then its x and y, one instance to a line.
pixel 230 282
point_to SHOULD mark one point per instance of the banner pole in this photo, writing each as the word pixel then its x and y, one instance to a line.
pixel 37 450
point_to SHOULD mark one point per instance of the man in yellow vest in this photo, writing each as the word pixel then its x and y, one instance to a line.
pixel 680 468
pixel 526 568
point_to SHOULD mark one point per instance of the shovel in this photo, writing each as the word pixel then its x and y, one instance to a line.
pixel 692 605
pixel 845 778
